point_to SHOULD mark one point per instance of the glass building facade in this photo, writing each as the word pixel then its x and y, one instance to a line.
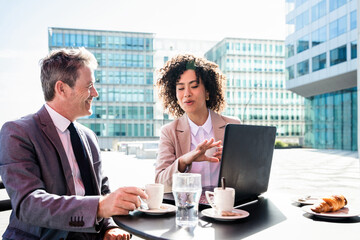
pixel 331 120
pixel 321 65
pixel 124 80
pixel 255 92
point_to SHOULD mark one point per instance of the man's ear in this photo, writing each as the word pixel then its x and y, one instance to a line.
pixel 60 88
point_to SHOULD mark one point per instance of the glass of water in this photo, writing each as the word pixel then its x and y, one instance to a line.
pixel 186 188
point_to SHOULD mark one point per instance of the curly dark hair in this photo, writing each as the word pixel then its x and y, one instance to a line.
pixel 209 73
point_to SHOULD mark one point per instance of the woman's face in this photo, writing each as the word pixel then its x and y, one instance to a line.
pixel 190 93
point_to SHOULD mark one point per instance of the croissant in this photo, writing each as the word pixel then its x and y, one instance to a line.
pixel 331 204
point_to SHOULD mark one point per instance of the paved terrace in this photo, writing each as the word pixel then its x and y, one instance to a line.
pixel 294 172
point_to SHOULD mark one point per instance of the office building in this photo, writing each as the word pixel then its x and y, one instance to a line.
pixel 255 92
pixel 321 65
pixel 124 109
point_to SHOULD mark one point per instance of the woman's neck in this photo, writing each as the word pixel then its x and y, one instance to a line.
pixel 199 118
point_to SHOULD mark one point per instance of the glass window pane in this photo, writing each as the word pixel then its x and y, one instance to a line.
pixel 302 68
pixel 318 36
pixel 353 49
pixel 290 72
pixel 338 55
pixel 353 20
pixel 303 44
pixel 319 62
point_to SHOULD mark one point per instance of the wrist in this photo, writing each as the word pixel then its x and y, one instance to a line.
pixel 100 208
pixel 182 165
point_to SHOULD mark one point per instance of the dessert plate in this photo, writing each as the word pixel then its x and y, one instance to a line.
pixel 345 212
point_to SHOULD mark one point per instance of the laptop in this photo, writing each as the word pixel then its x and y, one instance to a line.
pixel 246 162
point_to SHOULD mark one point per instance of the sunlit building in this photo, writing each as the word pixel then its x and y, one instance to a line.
pixel 124 109
pixel 256 93
pixel 321 65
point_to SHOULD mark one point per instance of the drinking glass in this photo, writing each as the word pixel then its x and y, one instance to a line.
pixel 186 188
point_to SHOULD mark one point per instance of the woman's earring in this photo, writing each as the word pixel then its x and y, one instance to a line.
pixel 207 98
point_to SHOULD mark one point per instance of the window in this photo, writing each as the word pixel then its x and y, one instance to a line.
pixel 302 20
pixel 57 39
pixel 353 20
pixel 149 44
pixel 318 10
pixel 319 62
pixel 299 2
pixel 290 26
pixel 353 49
pixel 334 4
pixel 337 27
pixel 302 68
pixel 338 55
pixel 290 72
pixel 302 44
pixel 318 36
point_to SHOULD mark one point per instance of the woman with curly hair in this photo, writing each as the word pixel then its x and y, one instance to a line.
pixel 192 90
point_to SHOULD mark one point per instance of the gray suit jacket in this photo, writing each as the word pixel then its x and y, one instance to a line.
pixel 39 181
pixel 175 141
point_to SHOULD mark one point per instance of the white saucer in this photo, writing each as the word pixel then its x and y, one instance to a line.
pixel 164 208
pixel 345 212
pixel 210 212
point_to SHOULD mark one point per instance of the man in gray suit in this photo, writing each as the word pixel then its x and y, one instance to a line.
pixel 54 194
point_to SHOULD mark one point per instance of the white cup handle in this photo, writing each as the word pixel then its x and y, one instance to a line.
pixel 207 195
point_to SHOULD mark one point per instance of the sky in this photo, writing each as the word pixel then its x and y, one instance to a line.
pixel 24 25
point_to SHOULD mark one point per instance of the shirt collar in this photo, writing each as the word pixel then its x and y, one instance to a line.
pixel 195 128
pixel 59 121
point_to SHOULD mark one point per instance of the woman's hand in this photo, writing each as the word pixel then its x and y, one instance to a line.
pixel 198 154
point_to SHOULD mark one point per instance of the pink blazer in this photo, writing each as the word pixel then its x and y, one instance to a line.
pixel 175 141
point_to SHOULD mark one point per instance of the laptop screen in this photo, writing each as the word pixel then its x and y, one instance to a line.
pixel 246 159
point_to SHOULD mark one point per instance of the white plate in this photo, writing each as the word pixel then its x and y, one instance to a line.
pixel 164 208
pixel 345 212
pixel 307 200
pixel 210 212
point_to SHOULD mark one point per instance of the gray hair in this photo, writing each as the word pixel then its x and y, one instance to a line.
pixel 63 65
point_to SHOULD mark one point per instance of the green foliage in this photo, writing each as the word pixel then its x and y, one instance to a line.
pixel 280 144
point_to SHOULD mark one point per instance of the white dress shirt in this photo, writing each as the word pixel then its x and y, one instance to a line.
pixel 209 171
pixel 61 123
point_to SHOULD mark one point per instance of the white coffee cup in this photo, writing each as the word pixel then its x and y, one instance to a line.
pixel 155 192
pixel 223 199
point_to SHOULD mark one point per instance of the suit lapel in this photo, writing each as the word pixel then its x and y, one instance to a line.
pixel 183 134
pixel 49 130
pixel 218 125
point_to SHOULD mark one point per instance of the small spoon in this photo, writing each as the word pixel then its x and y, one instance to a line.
pixel 223 186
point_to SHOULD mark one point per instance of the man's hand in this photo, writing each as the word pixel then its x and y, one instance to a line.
pixel 120 202
pixel 116 234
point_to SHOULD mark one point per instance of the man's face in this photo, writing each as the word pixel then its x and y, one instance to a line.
pixel 81 95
